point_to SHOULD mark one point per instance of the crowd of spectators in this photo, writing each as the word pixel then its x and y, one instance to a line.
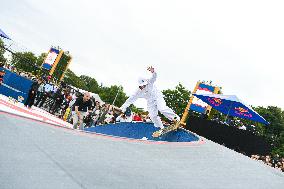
pixel 273 161
pixel 60 99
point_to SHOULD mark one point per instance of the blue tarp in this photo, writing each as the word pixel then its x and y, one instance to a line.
pixel 15 85
pixel 2 34
pixel 140 130
pixel 231 105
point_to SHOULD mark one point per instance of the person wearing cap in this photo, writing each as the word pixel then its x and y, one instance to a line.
pixel 154 98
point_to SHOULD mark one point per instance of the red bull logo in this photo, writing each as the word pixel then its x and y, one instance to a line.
pixel 215 101
pixel 242 112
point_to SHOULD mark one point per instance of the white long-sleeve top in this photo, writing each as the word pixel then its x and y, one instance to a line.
pixel 150 93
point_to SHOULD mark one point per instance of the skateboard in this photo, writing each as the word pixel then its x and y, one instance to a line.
pixel 168 129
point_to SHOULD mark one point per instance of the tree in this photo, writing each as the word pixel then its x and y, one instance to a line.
pixel 177 99
pixel 25 61
pixel 2 51
pixel 40 59
pixel 136 110
pixel 274 132
pixel 71 78
pixel 91 83
pixel 108 94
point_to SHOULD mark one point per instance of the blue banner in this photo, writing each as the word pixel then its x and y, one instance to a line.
pixel 231 105
pixel 15 86
pixel 2 34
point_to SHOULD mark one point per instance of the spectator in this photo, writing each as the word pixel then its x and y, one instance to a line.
pixel 128 114
pixel 121 118
pixel 137 117
pixel 66 101
pixel 48 89
pixel 274 161
pixel 80 108
pixel 58 100
pixel 104 110
pixel 95 117
pixel 40 91
pixel 32 94
pixel 147 119
pixel 205 115
pixel 109 118
pixel 2 74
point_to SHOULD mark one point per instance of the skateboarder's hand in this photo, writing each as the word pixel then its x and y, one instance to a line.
pixel 151 69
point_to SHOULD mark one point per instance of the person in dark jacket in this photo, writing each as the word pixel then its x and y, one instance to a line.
pixel 58 100
pixel 32 94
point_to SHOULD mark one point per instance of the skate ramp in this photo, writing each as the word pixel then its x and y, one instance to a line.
pixel 142 131
pixel 36 155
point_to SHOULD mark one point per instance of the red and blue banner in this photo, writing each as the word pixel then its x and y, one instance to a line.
pixel 231 105
pixel 197 104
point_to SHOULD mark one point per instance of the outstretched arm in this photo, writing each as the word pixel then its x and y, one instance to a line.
pixel 130 101
pixel 154 76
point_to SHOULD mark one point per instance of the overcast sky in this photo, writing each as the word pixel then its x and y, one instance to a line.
pixel 239 45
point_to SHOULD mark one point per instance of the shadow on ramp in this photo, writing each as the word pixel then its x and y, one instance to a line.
pixel 142 131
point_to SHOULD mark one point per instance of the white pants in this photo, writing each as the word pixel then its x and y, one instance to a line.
pixel 78 121
pixel 160 105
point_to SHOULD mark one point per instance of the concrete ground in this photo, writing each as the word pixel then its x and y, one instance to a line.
pixel 35 155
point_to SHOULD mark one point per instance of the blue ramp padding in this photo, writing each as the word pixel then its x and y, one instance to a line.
pixel 140 130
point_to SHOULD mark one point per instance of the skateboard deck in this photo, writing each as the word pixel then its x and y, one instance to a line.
pixel 166 130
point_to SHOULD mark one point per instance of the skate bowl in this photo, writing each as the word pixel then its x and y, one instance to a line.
pixel 142 131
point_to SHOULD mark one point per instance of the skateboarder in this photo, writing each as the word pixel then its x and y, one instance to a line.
pixel 155 101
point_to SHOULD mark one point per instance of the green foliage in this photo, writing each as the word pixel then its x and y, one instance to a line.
pixel 2 51
pixel 72 79
pixel 177 99
pixel 136 110
pixel 40 59
pixel 274 132
pixel 61 66
pixel 91 83
pixel 108 94
pixel 25 61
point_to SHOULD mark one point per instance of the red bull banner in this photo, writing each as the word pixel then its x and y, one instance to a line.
pixel 197 104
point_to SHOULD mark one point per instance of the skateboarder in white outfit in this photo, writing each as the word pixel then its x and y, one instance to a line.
pixel 155 100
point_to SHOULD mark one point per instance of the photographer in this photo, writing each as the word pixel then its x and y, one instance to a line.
pixel 80 108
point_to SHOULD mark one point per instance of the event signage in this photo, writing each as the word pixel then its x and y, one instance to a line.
pixel 197 104
pixel 50 58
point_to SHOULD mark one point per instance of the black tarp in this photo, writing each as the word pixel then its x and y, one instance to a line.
pixel 232 137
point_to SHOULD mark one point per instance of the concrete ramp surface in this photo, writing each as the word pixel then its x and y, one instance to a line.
pixel 36 155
